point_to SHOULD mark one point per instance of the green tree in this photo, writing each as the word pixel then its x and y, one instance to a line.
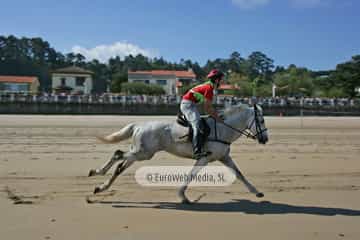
pixel 243 82
pixel 117 81
pixel 101 75
pixel 347 76
pixel 79 60
pixel 260 65
pixel 70 58
pixel 294 81
pixel 235 62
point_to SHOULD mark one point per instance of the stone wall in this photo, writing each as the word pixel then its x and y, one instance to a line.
pixel 153 109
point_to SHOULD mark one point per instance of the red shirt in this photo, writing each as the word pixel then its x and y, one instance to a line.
pixel 200 93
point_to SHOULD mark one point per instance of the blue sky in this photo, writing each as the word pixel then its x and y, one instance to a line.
pixel 316 34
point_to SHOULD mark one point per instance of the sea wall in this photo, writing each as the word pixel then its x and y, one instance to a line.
pixel 155 109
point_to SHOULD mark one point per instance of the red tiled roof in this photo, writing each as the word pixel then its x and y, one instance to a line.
pixel 18 79
pixel 179 74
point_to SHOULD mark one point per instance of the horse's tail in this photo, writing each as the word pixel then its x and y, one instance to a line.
pixel 123 134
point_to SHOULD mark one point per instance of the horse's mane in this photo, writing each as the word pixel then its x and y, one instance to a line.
pixel 233 109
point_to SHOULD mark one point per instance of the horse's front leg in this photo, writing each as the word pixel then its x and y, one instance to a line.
pixel 197 167
pixel 118 155
pixel 227 161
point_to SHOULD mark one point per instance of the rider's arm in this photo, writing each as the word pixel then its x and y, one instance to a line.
pixel 210 110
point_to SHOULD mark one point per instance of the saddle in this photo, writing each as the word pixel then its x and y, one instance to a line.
pixel 204 127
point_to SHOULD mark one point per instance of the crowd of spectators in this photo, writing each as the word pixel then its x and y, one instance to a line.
pixel 294 101
pixel 171 99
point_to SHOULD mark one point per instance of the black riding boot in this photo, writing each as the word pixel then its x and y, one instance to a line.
pixel 197 143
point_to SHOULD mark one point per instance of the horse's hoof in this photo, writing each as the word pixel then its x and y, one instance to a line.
pixel 186 201
pixel 97 190
pixel 92 173
pixel 260 195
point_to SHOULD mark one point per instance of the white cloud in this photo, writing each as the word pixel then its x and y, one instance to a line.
pixel 305 3
pixel 250 4
pixel 121 49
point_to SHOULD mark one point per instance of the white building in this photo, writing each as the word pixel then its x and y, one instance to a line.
pixel 73 80
pixel 171 81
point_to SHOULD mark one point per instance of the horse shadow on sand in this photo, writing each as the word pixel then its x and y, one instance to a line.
pixel 238 205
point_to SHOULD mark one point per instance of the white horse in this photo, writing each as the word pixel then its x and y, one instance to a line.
pixel 151 137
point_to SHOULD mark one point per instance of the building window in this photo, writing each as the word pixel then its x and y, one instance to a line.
pixel 80 81
pixel 16 87
pixel 185 81
pixel 161 82
pixel 142 81
pixel 63 81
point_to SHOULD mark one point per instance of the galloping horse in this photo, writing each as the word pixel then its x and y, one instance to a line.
pixel 151 137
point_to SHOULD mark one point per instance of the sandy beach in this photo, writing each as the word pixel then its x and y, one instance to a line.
pixel 309 173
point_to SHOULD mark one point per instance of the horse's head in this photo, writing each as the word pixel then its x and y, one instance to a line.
pixel 250 120
pixel 256 125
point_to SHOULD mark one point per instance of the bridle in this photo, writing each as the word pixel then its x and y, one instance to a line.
pixel 257 124
pixel 246 131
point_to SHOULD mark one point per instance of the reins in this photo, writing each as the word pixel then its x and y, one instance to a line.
pixel 243 132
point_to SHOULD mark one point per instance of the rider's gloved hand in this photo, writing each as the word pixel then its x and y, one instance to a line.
pixel 221 116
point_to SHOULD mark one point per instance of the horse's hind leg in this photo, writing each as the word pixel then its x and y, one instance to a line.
pixel 119 169
pixel 118 155
pixel 129 159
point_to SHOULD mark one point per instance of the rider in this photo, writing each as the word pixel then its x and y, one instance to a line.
pixel 202 93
